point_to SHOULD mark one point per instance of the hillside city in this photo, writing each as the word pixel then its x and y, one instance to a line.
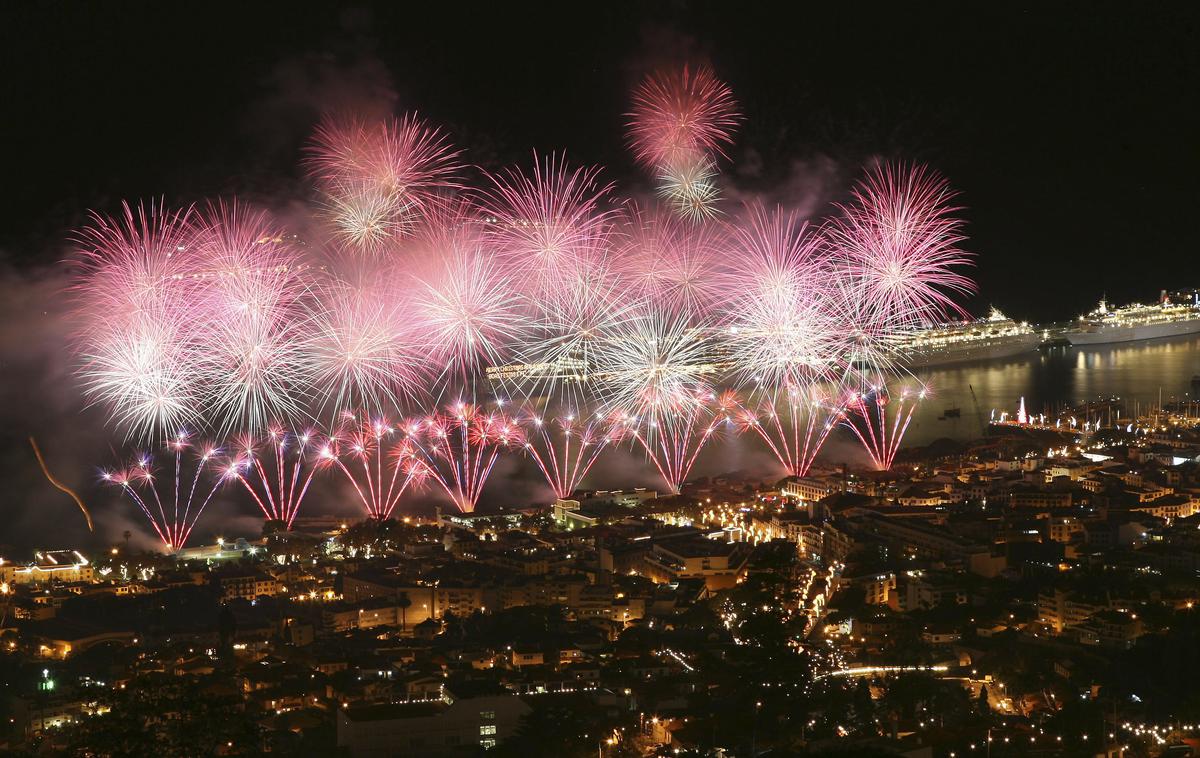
pixel 1029 593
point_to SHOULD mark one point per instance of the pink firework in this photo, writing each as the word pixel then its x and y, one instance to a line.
pixel 687 111
pixel 559 348
pixel 780 324
pixel 465 305
pixel 862 342
pixel 459 448
pixel 879 420
pixel 133 301
pixel 250 360
pixel 361 345
pixel 565 447
pixel 898 240
pixel 672 431
pixel 688 183
pixel 548 224
pixel 381 177
pixel 277 470
pixel 379 461
pixel 405 155
pixel 672 263
pixel 171 505
pixel 794 423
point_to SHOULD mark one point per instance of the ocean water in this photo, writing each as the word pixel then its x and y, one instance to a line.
pixel 1052 379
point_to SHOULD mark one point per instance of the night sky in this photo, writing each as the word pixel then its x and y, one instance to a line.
pixel 1072 134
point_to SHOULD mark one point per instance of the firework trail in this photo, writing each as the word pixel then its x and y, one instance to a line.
pixel 565 447
pixel 879 421
pixel 680 114
pixel 37 453
pixel 379 461
pixel 898 242
pixel 672 431
pixel 794 423
pixel 276 471
pixel 173 509
pixel 459 447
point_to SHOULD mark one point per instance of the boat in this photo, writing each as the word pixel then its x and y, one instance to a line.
pixel 1135 322
pixel 994 336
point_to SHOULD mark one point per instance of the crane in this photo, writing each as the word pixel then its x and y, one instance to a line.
pixel 978 411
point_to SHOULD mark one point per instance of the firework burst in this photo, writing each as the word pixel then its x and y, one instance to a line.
pixel 362 350
pixel 670 263
pixel 467 306
pixel 136 335
pixel 780 329
pixel 689 185
pixel 898 241
pixel 251 363
pixel 380 178
pixel 652 358
pixel 681 112
pixel 547 224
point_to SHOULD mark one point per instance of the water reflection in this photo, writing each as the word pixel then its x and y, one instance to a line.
pixel 1053 379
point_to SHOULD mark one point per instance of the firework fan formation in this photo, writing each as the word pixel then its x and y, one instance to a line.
pixel 654 324
pixel 172 504
pixel 276 471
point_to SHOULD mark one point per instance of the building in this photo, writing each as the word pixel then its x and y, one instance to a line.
pixel 1060 609
pixel 809 489
pixel 247 586
pixel 1041 499
pixel 49 566
pixel 436 728
pixel 719 564
pixel 1111 629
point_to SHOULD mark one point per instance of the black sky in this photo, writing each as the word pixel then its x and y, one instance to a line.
pixel 1072 131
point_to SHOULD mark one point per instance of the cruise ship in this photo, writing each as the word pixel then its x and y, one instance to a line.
pixel 1136 322
pixel 995 336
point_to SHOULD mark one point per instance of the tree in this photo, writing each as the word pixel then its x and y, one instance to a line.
pixel 404 602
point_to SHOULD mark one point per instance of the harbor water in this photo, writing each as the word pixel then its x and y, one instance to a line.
pixel 1051 379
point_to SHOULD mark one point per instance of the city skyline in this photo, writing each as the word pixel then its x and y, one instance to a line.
pixel 663 380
